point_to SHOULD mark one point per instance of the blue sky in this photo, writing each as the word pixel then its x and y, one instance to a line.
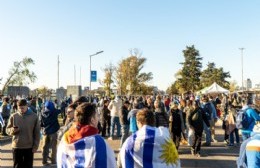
pixel 160 29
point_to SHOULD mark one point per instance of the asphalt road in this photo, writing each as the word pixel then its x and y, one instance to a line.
pixel 218 155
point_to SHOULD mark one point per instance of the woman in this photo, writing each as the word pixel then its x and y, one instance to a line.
pixel 195 121
pixel 175 125
pixel 82 146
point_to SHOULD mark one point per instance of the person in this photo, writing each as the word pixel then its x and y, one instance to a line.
pixel 50 126
pixel 149 146
pixel 115 107
pixel 175 123
pixel 6 111
pixel 124 122
pixel 195 122
pixel 81 145
pixel 167 102
pixel 249 155
pixel 70 114
pixel 132 117
pixel 25 129
pixel 231 127
pixel 188 109
pixel 251 115
pixel 105 119
pixel 63 106
pixel 73 106
pixel 161 117
pixel 208 110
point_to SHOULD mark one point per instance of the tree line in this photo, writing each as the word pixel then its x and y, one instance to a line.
pixel 129 79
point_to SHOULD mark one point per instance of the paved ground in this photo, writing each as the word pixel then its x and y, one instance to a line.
pixel 215 156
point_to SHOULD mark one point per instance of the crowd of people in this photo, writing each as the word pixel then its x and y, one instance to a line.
pixel 150 128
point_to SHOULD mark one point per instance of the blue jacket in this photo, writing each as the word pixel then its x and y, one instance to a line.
pixel 253 117
pixel 253 152
pixel 132 117
pixel 49 121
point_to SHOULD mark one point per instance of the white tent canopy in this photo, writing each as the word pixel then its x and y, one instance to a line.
pixel 214 88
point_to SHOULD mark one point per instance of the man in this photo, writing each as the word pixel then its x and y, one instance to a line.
pixel 6 110
pixel 252 116
pixel 124 122
pixel 210 112
pixel 149 146
pixel 115 107
pixel 50 126
pixel 24 127
pixel 249 155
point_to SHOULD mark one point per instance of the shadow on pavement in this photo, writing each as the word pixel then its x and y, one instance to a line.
pixel 206 163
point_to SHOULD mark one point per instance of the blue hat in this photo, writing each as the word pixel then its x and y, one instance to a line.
pixel 49 105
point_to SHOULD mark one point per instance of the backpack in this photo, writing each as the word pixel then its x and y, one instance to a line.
pixel 197 116
pixel 242 119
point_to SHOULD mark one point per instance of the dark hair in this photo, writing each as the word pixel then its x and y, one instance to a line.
pixel 145 116
pixel 80 100
pixel 84 113
pixel 22 102
pixel 73 106
pixel 6 99
pixel 105 101
pixel 126 102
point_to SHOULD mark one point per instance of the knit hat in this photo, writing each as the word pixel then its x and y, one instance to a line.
pixel 49 105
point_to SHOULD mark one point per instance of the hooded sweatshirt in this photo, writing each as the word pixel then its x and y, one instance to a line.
pixel 49 122
pixel 29 130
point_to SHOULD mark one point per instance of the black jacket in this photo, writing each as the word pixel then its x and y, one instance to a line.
pixel 49 121
pixel 197 122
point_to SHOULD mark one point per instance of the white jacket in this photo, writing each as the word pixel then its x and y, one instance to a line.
pixel 115 107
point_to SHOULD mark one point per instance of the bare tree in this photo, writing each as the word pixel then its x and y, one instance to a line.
pixel 20 74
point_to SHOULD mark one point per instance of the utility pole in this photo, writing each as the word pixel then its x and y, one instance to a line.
pixel 58 71
pixel 90 67
pixel 80 76
pixel 242 65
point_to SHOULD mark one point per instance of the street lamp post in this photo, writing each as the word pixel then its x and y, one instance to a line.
pixel 242 49
pixel 90 66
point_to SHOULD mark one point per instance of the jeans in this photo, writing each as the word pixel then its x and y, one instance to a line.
pixel 231 137
pixel 207 132
pixel 115 121
pixel 125 133
pixel 196 142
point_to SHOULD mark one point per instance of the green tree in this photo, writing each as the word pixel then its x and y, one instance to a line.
pixel 20 74
pixel 173 89
pixel 212 74
pixel 128 74
pixel 108 79
pixel 189 76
